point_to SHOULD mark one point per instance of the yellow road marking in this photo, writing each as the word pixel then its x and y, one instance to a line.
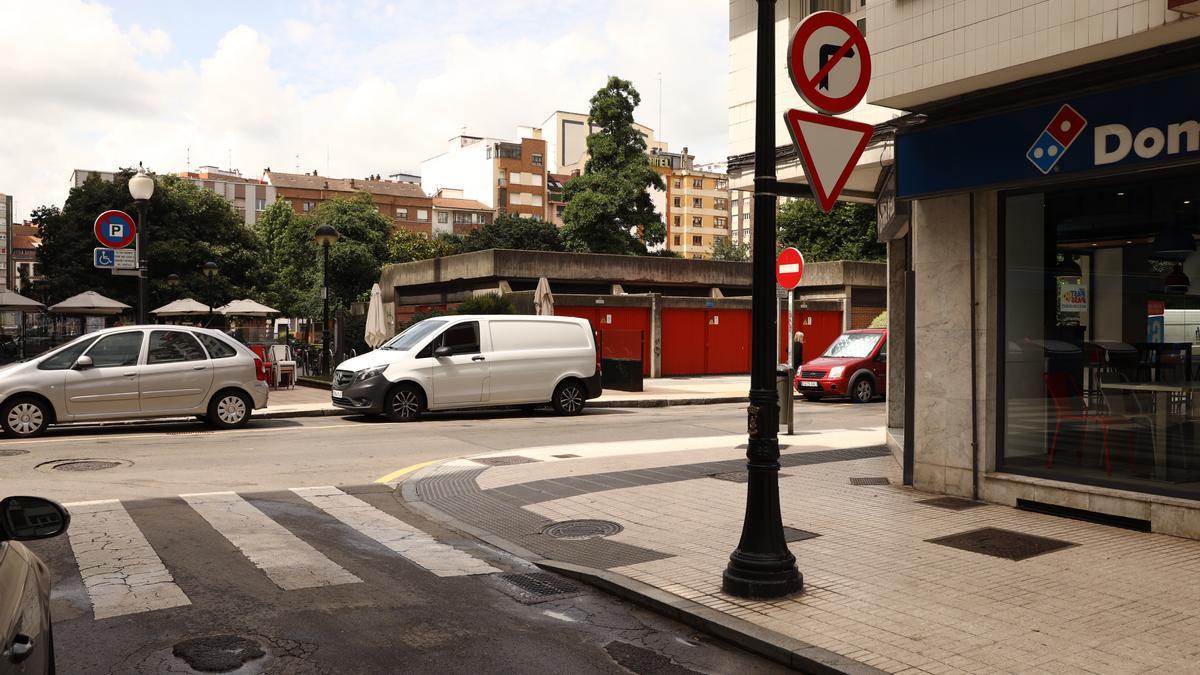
pixel 162 434
pixel 408 469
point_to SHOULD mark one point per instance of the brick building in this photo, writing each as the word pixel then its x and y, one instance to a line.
pixel 248 196
pixel 508 176
pixel 403 202
pixel 454 214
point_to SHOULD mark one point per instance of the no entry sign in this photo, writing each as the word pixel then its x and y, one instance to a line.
pixel 115 229
pixel 789 268
pixel 829 63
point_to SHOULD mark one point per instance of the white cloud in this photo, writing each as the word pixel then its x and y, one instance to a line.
pixel 298 32
pixel 372 111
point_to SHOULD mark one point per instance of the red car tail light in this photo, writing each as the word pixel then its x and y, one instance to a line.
pixel 259 371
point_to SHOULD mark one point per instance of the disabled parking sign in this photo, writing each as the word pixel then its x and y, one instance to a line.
pixel 114 229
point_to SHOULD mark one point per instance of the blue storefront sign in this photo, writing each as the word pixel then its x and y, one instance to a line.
pixel 1138 126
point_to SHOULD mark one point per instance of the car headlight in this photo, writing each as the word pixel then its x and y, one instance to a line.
pixel 367 374
pixel 836 371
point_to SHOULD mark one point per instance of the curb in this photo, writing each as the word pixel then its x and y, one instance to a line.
pixel 633 403
pixel 283 414
pixel 767 643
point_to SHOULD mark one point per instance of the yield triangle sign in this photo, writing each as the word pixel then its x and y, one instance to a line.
pixel 829 148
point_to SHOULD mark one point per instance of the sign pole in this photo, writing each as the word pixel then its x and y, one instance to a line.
pixel 762 566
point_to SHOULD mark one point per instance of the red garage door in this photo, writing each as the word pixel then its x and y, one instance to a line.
pixel 820 330
pixel 705 341
pixel 619 323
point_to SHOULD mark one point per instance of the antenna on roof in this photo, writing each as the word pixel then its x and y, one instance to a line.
pixel 660 133
pixel 297 163
pixel 189 158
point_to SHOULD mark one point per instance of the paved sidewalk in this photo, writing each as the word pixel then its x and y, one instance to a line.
pixel 879 594
pixel 309 401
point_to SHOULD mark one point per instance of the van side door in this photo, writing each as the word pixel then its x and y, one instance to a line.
pixel 462 375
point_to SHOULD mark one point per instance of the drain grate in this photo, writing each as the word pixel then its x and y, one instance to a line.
pixel 1000 543
pixel 869 480
pixel 541 584
pixel 86 466
pixel 952 503
pixel 582 529
pixel 565 456
pixel 506 460
pixel 795 534
pixel 12 452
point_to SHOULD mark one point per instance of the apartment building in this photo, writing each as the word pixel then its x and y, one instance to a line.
pixel 508 176
pixel 566 141
pixel 403 202
pixel 6 239
pixel 697 211
pixel 24 245
pixel 248 196
pixel 454 214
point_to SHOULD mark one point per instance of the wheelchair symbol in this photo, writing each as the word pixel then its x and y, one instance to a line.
pixel 105 258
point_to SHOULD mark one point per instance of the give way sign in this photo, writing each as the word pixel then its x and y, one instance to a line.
pixel 789 268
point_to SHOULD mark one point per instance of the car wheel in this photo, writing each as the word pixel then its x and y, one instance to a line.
pixel 812 397
pixel 25 417
pixel 569 397
pixel 404 404
pixel 862 391
pixel 229 410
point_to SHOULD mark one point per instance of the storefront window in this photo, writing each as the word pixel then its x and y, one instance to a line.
pixel 1101 322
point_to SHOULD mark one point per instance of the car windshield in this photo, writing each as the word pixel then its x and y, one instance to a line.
pixel 413 335
pixel 852 346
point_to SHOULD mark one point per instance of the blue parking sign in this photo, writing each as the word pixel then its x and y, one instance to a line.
pixel 104 257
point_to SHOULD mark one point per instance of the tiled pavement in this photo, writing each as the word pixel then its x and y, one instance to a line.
pixel 876 589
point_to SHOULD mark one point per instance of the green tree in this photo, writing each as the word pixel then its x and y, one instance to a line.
pixel 185 226
pixel 489 303
pixel 608 208
pixel 405 246
pixel 845 233
pixel 515 232
pixel 725 249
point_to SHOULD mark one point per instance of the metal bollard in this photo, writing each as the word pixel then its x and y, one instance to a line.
pixel 784 376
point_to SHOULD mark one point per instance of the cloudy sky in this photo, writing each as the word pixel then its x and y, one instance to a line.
pixel 374 86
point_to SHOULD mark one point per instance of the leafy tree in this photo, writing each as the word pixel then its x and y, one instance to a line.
pixel 185 226
pixel 726 249
pixel 490 303
pixel 515 232
pixel 880 321
pixel 846 233
pixel 608 208
pixel 405 246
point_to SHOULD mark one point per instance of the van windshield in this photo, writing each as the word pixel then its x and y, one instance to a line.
pixel 853 346
pixel 413 335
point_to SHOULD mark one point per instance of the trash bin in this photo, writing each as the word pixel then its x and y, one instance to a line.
pixel 784 375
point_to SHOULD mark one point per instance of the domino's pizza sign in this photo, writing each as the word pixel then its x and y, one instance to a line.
pixel 1139 126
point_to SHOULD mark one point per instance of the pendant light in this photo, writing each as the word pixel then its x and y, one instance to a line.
pixel 1176 281
pixel 1174 242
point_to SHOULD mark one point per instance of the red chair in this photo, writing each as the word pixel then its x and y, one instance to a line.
pixel 269 366
pixel 1063 391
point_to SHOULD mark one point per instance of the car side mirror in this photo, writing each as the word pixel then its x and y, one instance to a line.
pixel 83 363
pixel 882 358
pixel 443 351
pixel 27 518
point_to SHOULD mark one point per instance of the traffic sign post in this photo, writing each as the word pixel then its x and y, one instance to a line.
pixel 830 66
pixel 114 229
pixel 789 270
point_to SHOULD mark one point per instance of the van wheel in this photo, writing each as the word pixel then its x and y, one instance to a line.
pixel 25 417
pixel 569 398
pixel 404 404
pixel 229 410
pixel 812 397
pixel 862 391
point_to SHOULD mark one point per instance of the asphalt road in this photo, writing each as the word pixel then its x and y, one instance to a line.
pixel 221 536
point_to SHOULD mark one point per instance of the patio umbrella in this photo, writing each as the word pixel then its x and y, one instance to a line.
pixel 89 303
pixel 181 307
pixel 376 329
pixel 246 308
pixel 543 300
pixel 12 302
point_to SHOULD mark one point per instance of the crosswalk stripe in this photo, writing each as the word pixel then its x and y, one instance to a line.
pixel 416 546
pixel 120 570
pixel 287 560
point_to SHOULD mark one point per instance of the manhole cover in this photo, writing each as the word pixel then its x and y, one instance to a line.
pixel 565 456
pixel 505 460
pixel 582 529
pixel 952 503
pixel 1000 543
pixel 540 583
pixel 12 452
pixel 869 480
pixel 218 653
pixel 795 534
pixel 86 466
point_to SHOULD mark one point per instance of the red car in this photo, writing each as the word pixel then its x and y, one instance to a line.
pixel 855 365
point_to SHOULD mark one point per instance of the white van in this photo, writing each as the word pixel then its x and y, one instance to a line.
pixel 473 362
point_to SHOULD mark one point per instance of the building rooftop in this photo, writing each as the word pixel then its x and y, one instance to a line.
pixel 305 181
pixel 459 204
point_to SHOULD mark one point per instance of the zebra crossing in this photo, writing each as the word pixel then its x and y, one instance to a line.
pixel 123 573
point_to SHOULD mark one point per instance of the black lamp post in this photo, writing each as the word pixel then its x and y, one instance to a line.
pixel 141 188
pixel 326 236
pixel 210 270
pixel 762 566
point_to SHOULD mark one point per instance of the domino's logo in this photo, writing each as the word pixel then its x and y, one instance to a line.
pixel 1056 138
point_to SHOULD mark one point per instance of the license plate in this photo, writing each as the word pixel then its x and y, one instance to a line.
pixel 337 393
pixel 809 385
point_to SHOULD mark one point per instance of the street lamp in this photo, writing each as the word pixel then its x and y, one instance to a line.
pixel 325 236
pixel 141 188
pixel 210 270
pixel 762 566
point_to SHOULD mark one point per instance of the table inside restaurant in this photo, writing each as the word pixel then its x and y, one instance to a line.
pixel 1162 403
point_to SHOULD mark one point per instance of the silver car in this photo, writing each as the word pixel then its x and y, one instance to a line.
pixel 132 372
